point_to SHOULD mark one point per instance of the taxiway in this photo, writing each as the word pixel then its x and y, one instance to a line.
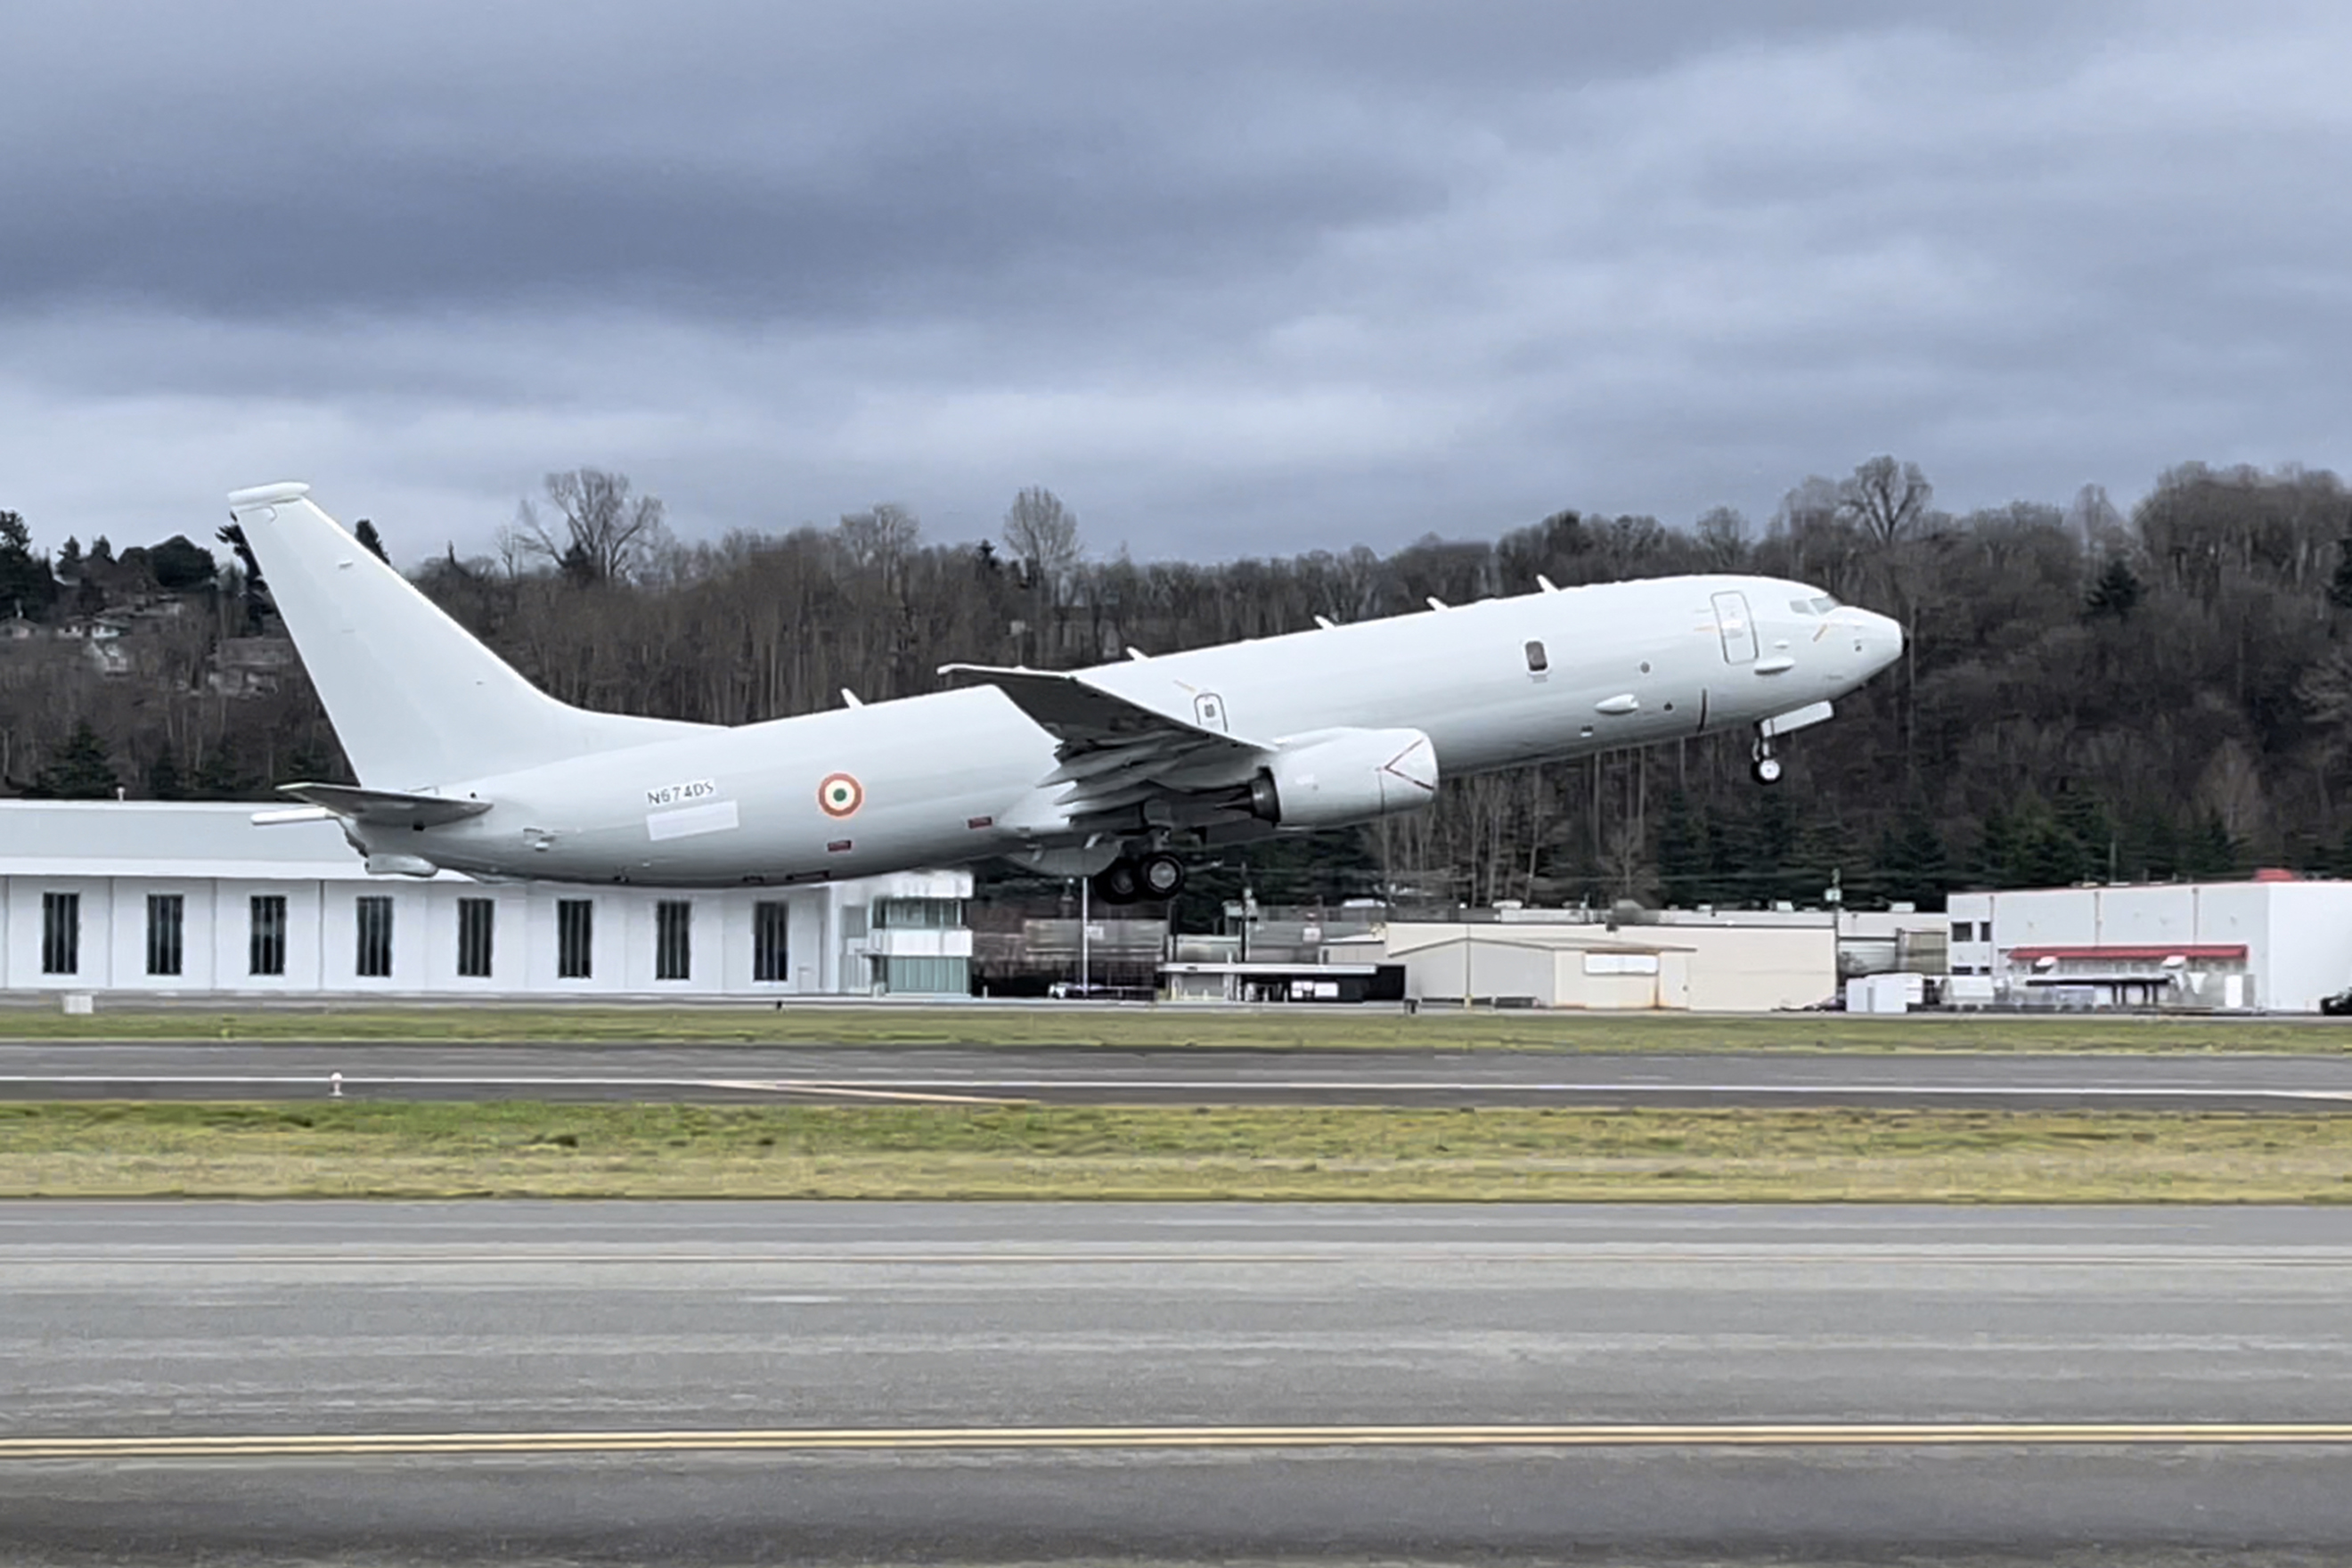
pixel 769 1074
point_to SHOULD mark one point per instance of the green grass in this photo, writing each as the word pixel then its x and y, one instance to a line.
pixel 1175 1025
pixel 433 1151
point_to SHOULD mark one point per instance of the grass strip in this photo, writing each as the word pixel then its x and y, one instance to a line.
pixel 1179 1026
pixel 516 1149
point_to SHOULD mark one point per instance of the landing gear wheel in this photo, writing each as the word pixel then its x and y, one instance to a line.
pixel 1118 883
pixel 1767 770
pixel 1160 874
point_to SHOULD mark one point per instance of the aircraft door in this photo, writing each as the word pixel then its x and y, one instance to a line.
pixel 1209 711
pixel 1738 628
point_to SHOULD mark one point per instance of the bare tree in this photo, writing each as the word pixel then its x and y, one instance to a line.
pixel 1723 538
pixel 608 533
pixel 880 538
pixel 1043 535
pixel 1888 499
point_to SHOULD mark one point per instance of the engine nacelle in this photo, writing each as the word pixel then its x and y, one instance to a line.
pixel 1347 775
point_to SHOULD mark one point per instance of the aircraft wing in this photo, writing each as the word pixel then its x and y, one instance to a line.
pixel 383 807
pixel 1115 753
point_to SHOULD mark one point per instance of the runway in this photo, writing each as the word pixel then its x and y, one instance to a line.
pixel 804 1075
pixel 730 1382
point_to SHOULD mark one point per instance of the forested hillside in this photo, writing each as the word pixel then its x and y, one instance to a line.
pixel 2086 695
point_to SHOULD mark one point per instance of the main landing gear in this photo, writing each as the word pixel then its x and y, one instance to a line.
pixel 1157 877
pixel 1762 764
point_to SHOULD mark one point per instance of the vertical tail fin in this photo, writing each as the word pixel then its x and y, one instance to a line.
pixel 415 699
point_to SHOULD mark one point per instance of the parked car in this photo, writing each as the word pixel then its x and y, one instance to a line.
pixel 2338 1005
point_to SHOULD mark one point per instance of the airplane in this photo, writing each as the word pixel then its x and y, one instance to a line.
pixel 1109 772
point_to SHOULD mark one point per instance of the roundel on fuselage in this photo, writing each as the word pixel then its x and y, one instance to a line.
pixel 840 795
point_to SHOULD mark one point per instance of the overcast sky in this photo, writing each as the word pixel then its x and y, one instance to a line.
pixel 1232 279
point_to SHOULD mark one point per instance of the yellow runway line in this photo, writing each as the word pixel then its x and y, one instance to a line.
pixel 974 1438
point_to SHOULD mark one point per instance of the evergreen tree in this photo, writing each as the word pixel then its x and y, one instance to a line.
pixel 1683 871
pixel 1913 864
pixel 1994 862
pixel 2117 593
pixel 370 541
pixel 80 770
pixel 2339 587
pixel 26 586
pixel 179 565
pixel 2086 820
pixel 2209 853
pixel 218 777
pixel 164 777
pixel 2047 854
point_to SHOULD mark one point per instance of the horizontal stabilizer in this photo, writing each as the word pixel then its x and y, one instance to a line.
pixel 383 807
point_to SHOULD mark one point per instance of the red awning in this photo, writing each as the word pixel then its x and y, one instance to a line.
pixel 2236 949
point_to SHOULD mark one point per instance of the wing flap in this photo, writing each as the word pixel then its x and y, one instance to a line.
pixel 1113 754
pixel 1086 717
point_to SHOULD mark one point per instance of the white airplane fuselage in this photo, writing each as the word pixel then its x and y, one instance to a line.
pixel 956 776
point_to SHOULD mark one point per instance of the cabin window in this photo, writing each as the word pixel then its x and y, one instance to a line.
pixel 60 933
pixel 265 936
pixel 477 923
pixel 673 939
pixel 770 946
pixel 373 960
pixel 1536 662
pixel 167 916
pixel 575 932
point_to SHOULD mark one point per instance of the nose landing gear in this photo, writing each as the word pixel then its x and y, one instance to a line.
pixel 1763 765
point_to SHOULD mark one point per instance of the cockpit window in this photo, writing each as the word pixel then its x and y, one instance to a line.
pixel 1827 603
pixel 1804 607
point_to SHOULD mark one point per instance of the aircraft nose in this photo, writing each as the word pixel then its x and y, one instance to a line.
pixel 1882 639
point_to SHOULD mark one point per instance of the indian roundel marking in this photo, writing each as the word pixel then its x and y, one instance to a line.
pixel 840 796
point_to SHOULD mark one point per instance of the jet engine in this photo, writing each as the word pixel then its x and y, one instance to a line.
pixel 1344 776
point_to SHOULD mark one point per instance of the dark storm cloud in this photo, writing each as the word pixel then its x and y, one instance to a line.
pixel 1230 275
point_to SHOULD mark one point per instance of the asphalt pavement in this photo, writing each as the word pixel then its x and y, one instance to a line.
pixel 738 1382
pixel 795 1074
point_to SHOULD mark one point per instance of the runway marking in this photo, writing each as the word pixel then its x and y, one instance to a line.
pixel 1020 1091
pixel 348 1085
pixel 914 1438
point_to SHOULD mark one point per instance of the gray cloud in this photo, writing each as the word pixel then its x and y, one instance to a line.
pixel 1232 278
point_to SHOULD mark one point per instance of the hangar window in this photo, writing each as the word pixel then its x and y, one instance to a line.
pixel 477 926
pixel 265 937
pixel 673 939
pixel 1538 661
pixel 1620 963
pixel 575 931
pixel 374 957
pixel 60 933
pixel 770 947
pixel 918 914
pixel 167 916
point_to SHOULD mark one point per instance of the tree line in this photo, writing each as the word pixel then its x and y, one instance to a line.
pixel 2086 694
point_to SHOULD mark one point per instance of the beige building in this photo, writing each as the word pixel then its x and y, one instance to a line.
pixel 1710 966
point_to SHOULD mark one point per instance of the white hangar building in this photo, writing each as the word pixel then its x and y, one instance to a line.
pixel 2276 943
pixel 1674 960
pixel 172 898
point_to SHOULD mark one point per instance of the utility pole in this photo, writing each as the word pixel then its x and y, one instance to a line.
pixel 1086 930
